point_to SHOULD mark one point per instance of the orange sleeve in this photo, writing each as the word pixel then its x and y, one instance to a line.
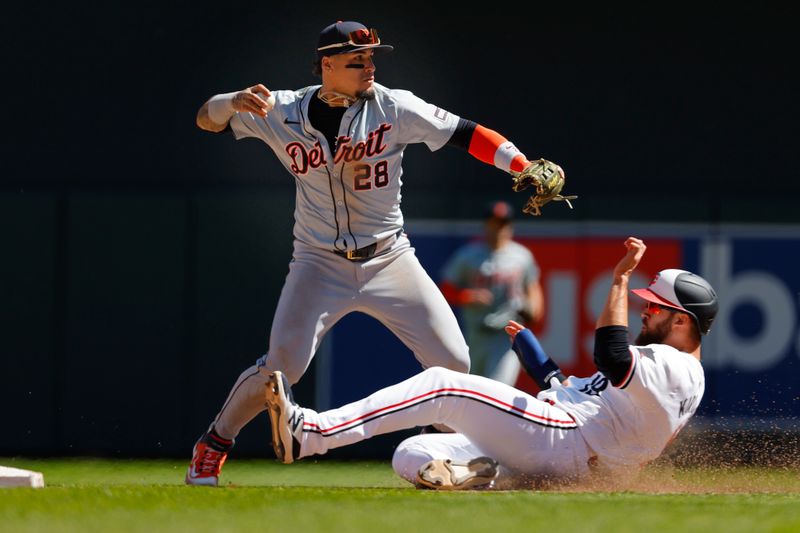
pixel 492 148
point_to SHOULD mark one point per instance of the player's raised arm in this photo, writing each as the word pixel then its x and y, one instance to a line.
pixel 611 354
pixel 215 114
pixel 615 311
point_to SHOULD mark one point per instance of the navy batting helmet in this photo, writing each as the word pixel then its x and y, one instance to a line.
pixel 687 292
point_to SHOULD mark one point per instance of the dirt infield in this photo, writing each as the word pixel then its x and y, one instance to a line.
pixel 726 462
pixel 754 462
pixel 767 449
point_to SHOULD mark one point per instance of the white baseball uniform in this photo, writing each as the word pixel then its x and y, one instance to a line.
pixel 346 201
pixel 568 433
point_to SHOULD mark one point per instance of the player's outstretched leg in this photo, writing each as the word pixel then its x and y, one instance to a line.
pixel 286 418
pixel 208 456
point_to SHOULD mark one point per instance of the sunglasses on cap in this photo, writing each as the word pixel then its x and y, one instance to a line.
pixel 359 37
pixel 654 308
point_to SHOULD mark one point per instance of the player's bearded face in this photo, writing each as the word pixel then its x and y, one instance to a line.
pixel 654 330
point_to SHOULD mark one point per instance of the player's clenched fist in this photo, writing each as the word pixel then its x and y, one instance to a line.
pixel 215 114
pixel 256 99
pixel 630 261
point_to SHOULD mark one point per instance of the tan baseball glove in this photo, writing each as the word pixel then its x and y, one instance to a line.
pixel 547 178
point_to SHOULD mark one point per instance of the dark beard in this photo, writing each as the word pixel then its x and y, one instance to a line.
pixel 367 94
pixel 654 336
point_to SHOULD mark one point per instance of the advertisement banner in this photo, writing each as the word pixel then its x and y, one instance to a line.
pixel 750 356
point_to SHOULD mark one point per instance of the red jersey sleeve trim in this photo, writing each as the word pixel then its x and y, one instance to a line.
pixel 632 370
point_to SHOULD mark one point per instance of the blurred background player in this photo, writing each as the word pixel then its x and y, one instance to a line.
pixel 494 280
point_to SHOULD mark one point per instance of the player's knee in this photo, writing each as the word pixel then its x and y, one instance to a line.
pixel 292 367
pixel 408 457
pixel 462 359
pixel 248 373
pixel 453 359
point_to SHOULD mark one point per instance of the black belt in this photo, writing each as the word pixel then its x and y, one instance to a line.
pixel 362 254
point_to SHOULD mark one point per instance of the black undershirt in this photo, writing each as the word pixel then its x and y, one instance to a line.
pixel 611 354
pixel 462 136
pixel 326 119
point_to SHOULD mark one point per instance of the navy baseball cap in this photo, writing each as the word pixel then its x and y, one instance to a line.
pixel 347 36
pixel 500 210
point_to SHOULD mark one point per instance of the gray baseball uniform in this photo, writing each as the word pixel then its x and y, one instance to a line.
pixel 348 200
pixel 507 273
pixel 351 199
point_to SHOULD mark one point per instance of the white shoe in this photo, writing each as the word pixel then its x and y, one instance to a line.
pixel 286 418
pixel 446 474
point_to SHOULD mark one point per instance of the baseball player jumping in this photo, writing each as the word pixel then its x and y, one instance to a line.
pixel 343 143
pixel 604 427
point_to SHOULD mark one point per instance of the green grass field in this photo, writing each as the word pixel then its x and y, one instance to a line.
pixel 149 496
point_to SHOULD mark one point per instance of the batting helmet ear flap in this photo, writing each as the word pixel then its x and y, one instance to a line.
pixel 697 296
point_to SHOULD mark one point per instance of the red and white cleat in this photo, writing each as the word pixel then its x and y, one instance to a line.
pixel 208 456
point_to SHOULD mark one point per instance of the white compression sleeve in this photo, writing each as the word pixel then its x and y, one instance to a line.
pixel 220 108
